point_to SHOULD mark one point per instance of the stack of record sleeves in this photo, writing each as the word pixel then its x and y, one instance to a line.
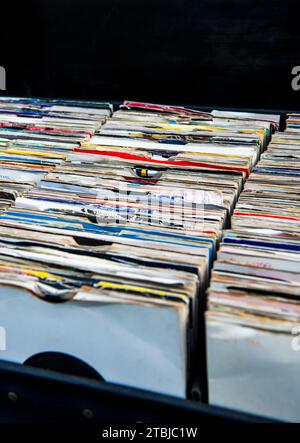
pixel 253 319
pixel 36 135
pixel 118 228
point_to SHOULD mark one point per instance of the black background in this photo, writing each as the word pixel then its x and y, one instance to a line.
pixel 204 52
